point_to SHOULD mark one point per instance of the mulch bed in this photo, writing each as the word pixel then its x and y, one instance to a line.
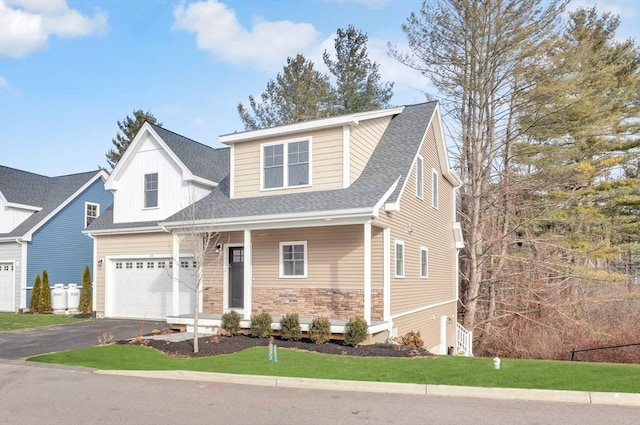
pixel 212 346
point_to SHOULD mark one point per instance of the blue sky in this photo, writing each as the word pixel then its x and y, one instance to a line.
pixel 70 69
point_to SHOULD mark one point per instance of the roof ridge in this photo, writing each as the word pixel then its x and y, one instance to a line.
pixel 155 126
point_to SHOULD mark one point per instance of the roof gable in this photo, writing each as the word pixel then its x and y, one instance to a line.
pixel 48 194
pixel 198 162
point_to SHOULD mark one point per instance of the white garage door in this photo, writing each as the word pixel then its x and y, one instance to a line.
pixel 7 287
pixel 142 288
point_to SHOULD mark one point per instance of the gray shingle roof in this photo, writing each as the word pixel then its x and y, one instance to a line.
pixel 48 193
pixel 202 160
pixel 391 160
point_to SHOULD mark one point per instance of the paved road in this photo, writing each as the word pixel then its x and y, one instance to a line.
pixel 49 339
pixel 71 395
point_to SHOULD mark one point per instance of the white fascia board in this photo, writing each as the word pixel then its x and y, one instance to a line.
pixel 324 218
pixel 351 119
pixel 447 171
pixel 151 229
pixel 23 207
pixel 204 182
pixel 99 175
pixel 16 239
pixel 388 193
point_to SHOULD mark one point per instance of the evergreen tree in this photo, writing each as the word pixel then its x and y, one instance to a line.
pixel 35 295
pixel 86 293
pixel 44 303
pixel 298 93
pixel 358 87
pixel 129 127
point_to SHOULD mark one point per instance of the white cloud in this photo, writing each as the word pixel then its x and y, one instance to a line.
pixel 265 46
pixel 4 84
pixel 26 25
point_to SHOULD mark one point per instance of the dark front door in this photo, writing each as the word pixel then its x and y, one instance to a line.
pixel 236 277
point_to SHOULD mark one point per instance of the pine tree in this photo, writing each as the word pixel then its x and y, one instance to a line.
pixel 35 295
pixel 299 93
pixel 129 127
pixel 44 303
pixel 86 293
pixel 358 87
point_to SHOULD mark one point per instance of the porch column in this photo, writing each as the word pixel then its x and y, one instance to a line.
pixel 248 274
pixel 367 272
pixel 175 295
pixel 386 275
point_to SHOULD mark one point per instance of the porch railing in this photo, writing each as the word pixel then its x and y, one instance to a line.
pixel 464 340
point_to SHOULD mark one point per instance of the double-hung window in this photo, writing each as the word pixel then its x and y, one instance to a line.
pixel 434 189
pixel 151 190
pixel 424 262
pixel 293 259
pixel 419 177
pixel 91 212
pixel 285 164
pixel 399 259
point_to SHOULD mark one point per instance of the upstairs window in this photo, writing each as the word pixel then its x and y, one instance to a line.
pixel 91 212
pixel 151 190
pixel 419 177
pixel 285 164
pixel 434 190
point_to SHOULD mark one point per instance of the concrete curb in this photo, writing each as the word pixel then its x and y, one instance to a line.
pixel 583 397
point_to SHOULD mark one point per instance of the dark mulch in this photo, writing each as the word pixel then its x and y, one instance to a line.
pixel 211 346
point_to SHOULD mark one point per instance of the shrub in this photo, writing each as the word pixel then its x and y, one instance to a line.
pixel 35 294
pixel 320 330
pixel 290 327
pixel 44 303
pixel 260 325
pixel 231 323
pixel 86 305
pixel 355 332
pixel 412 339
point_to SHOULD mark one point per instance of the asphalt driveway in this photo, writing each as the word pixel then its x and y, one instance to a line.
pixel 49 339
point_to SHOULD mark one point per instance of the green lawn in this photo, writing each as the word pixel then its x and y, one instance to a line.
pixel 445 370
pixel 14 321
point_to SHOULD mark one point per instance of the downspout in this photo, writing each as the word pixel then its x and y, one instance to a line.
pixel 23 275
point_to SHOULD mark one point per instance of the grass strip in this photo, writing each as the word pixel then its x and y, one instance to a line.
pixel 15 321
pixel 443 370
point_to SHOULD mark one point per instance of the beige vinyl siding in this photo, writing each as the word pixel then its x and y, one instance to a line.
pixel 363 140
pixel 325 162
pixel 158 244
pixel 335 257
pixel 214 262
pixel 431 228
pixel 427 322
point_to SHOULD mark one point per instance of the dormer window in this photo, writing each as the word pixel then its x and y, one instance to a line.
pixel 151 190
pixel 285 164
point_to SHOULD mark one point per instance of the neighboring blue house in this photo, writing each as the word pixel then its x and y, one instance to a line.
pixel 41 224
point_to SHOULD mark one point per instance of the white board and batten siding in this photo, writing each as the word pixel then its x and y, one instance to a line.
pixel 174 193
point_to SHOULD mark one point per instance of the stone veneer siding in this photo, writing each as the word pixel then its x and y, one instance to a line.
pixel 315 302
pixel 212 300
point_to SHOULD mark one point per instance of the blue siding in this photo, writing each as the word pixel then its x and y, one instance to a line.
pixel 59 245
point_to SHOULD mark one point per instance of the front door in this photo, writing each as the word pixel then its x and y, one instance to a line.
pixel 236 277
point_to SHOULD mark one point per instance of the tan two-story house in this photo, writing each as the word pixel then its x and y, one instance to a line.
pixel 342 217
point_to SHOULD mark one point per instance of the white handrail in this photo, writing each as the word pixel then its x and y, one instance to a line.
pixel 464 340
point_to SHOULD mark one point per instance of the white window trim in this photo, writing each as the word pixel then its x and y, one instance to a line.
pixel 86 204
pixel 426 274
pixel 420 177
pixel 395 258
pixel 435 188
pixel 281 260
pixel 144 192
pixel 285 163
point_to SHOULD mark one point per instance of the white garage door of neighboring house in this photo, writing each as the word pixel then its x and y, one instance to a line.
pixel 143 288
pixel 7 287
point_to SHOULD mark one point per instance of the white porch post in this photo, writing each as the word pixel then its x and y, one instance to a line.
pixel 386 276
pixel 367 272
pixel 175 295
pixel 248 274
